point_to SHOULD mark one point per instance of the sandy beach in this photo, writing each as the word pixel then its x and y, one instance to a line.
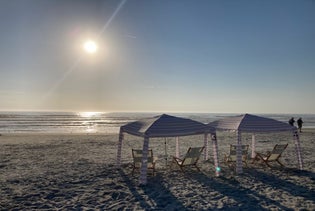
pixel 78 172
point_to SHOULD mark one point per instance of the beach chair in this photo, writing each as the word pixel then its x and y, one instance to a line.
pixel 272 156
pixel 137 160
pixel 190 159
pixel 231 158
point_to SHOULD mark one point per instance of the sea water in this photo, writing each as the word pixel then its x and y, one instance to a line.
pixel 102 122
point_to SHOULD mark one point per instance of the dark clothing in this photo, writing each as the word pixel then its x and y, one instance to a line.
pixel 300 123
pixel 291 121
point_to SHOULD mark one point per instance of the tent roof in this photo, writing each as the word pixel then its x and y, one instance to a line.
pixel 166 126
pixel 251 123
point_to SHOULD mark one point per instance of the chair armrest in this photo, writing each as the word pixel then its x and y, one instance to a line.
pixel 262 154
pixel 177 159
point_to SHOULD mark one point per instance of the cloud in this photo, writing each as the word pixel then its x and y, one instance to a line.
pixel 130 36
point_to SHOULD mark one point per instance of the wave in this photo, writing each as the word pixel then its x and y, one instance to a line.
pixel 74 122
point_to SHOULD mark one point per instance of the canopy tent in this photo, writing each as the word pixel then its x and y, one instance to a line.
pixel 255 124
pixel 166 126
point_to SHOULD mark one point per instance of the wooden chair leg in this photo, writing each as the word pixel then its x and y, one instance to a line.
pixel 197 167
pixel 280 163
pixel 257 158
pixel 267 163
pixel 133 171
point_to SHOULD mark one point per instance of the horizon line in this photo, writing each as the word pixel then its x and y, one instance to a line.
pixel 153 112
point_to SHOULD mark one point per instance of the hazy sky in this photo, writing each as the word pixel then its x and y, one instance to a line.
pixel 158 55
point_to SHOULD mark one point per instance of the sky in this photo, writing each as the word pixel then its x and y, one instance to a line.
pixel 217 56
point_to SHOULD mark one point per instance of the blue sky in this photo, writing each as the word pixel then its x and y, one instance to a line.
pixel 164 56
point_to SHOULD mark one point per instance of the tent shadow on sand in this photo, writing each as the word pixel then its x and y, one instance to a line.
pixel 273 180
pixel 156 192
pixel 247 199
pixel 304 173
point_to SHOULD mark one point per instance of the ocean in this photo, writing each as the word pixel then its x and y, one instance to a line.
pixel 102 122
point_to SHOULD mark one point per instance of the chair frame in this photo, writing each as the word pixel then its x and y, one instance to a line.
pixel 228 159
pixel 137 160
pixel 181 163
pixel 272 156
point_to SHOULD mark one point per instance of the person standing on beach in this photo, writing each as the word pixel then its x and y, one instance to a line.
pixel 300 123
pixel 291 121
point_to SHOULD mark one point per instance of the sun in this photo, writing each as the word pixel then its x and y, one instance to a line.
pixel 90 46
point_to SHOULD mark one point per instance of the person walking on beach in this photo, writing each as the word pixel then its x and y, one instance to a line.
pixel 291 121
pixel 300 123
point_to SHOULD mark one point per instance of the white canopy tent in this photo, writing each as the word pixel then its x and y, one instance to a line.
pixel 255 124
pixel 166 126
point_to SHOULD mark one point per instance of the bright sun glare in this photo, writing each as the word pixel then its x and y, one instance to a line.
pixel 90 46
pixel 89 114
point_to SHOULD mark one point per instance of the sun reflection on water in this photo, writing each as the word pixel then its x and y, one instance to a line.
pixel 90 125
pixel 89 114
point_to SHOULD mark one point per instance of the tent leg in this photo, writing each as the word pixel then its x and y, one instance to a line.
pixel 215 154
pixel 177 147
pixel 144 164
pixel 239 164
pixel 253 146
pixel 298 149
pixel 165 153
pixel 120 140
pixel 206 146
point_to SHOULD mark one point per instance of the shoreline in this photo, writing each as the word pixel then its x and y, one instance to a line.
pixel 106 133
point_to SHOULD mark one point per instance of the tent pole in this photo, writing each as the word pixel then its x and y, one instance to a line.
pixel 144 164
pixel 165 152
pixel 206 146
pixel 120 140
pixel 298 149
pixel 239 167
pixel 177 147
pixel 215 154
pixel 253 146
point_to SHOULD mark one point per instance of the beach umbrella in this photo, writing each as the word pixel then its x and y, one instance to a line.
pixel 248 123
pixel 164 126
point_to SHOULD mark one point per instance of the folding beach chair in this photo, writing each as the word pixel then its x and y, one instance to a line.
pixel 231 158
pixel 137 160
pixel 272 156
pixel 190 159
